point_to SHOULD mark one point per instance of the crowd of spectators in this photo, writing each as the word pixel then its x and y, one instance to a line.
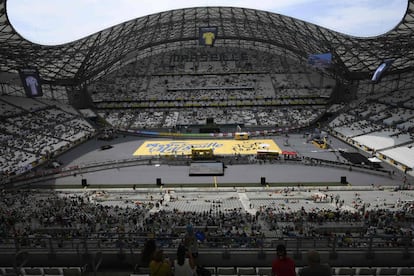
pixel 33 131
pixel 175 118
pixel 174 86
pixel 32 215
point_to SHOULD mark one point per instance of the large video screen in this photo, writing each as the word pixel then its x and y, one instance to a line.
pixel 31 82
pixel 207 36
pixel 320 60
pixel 381 69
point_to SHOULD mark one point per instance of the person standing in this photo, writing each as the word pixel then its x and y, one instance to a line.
pixel 190 241
pixel 283 265
pixel 314 266
pixel 148 251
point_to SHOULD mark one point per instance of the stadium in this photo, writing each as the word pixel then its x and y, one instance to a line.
pixel 238 128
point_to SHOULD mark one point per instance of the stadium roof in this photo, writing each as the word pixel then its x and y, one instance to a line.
pixel 85 59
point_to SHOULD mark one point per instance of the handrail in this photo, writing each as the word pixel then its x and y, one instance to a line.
pixel 118 241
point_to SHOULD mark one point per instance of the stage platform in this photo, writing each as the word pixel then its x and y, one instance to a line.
pixel 220 147
pixel 206 168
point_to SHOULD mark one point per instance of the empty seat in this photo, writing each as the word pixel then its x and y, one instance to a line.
pixel 264 271
pixel 246 271
pixel 345 271
pixel 49 271
pixel 406 271
pixel 211 269
pixel 72 271
pixel 9 271
pixel 142 270
pixel 226 271
pixel 387 271
pixel 366 271
pixel 35 271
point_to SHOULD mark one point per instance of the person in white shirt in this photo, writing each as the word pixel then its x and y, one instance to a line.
pixel 184 264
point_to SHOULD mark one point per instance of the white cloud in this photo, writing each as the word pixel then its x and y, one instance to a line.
pixel 364 19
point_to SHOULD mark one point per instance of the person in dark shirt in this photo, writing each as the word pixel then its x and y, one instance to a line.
pixel 314 266
pixel 148 252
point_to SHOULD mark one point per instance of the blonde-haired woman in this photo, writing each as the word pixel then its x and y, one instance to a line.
pixel 159 266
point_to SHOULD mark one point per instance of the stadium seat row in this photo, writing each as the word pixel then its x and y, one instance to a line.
pixel 343 271
pixel 42 271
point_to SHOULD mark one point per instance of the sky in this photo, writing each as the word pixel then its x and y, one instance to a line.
pixel 54 22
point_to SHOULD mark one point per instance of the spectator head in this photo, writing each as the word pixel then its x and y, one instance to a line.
pixel 313 257
pixel 281 250
pixel 150 246
pixel 158 255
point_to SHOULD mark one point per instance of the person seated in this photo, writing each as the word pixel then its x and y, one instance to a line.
pixel 159 266
pixel 184 264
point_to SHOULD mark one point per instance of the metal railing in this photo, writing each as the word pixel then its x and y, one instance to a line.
pixel 119 241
